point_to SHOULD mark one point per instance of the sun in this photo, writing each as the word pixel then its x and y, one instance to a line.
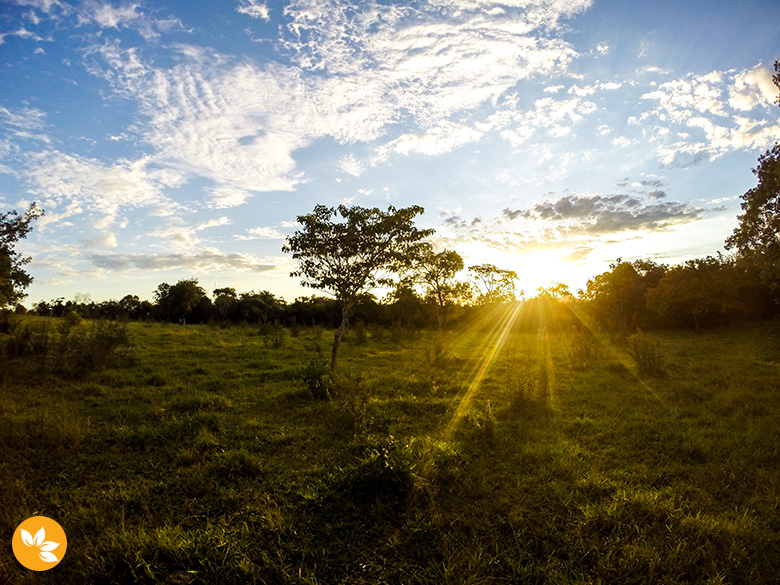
pixel 541 268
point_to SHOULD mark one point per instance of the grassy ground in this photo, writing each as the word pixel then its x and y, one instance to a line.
pixel 486 455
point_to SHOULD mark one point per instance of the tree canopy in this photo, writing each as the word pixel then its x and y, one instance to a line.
pixel 437 273
pixel 354 254
pixel 758 235
pixel 13 278
pixel 494 285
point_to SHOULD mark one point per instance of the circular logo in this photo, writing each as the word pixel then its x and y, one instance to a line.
pixel 39 543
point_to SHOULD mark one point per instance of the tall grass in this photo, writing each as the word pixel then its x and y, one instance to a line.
pixel 209 459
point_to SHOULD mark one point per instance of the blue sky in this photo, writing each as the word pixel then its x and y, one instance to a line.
pixel 178 139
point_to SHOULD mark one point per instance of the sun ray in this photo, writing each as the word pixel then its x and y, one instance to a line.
pixel 493 345
pixel 622 356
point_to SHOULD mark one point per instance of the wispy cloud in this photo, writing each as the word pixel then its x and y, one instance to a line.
pixel 127 15
pixel 556 116
pixel 262 233
pixel 200 262
pixel 253 8
pixel 712 114
pixel 85 184
pixel 440 139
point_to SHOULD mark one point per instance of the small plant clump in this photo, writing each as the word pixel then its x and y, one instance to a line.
pixel 317 376
pixel 647 355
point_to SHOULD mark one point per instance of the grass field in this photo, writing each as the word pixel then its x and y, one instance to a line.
pixel 485 455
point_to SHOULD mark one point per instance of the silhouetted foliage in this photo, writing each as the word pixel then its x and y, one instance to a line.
pixel 617 297
pixel 13 278
pixel 350 257
pixel 757 238
pixel 493 284
pixel 181 301
pixel 437 272
pixel 698 294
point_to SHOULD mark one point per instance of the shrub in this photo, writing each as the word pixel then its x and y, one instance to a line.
pixel 647 355
pixel 275 337
pixel 361 334
pixel 317 376
pixel 352 404
pixel 583 349
pixel 72 348
pixel 392 471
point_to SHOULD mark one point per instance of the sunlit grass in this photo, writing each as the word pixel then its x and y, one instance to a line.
pixel 490 453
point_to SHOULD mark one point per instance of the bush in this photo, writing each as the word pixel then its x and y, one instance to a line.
pixel 317 376
pixel 275 337
pixel 647 355
pixel 361 334
pixel 72 347
pixel 392 471
pixel 352 396
pixel 584 348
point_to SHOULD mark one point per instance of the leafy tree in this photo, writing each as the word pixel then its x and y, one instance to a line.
pixel 556 290
pixel 494 285
pixel 700 293
pixel 757 238
pixel 404 306
pixel 617 297
pixel 175 302
pixel 13 278
pixel 224 300
pixel 260 307
pixel 350 256
pixel 437 272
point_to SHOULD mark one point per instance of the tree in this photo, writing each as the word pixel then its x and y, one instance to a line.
pixel 224 300
pixel 617 297
pixel 13 278
pixel 437 272
pixel 556 290
pixel 757 238
pixel 699 293
pixel 261 307
pixel 176 301
pixel 347 258
pixel 495 285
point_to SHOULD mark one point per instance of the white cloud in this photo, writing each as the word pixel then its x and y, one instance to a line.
pixel 434 59
pixel 225 197
pixel 753 88
pixel 438 140
pixel 24 123
pixel 262 233
pixel 177 236
pixel 82 183
pixel 712 114
pixel 351 165
pixel 557 116
pixel 213 223
pixel 253 8
pixel 107 240
pixel 237 124
pixel 127 15
pixel 205 261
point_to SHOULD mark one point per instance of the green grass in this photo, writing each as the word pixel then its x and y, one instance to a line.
pixel 464 457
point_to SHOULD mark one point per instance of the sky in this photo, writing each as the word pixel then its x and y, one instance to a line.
pixel 178 139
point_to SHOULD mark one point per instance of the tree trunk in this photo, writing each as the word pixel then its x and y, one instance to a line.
pixel 346 309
